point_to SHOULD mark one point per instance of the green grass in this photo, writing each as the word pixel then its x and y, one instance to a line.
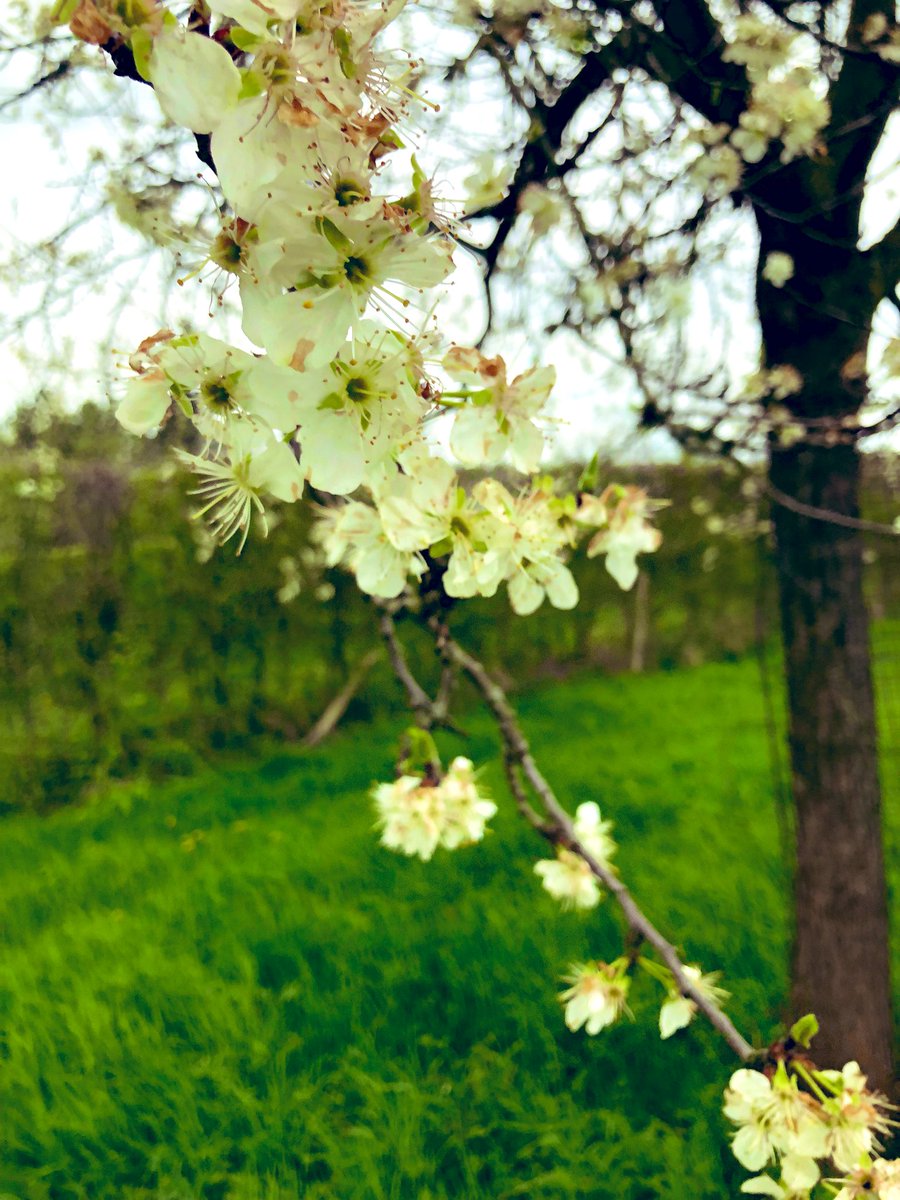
pixel 224 988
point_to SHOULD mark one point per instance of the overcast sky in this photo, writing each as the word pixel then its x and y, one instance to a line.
pixel 594 401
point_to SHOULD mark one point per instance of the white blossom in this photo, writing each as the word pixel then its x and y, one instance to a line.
pixel 568 877
pixel 597 996
pixel 331 258
pixel 625 530
pixel 416 815
pixel 352 535
pixel 466 810
pixel 145 404
pixel 679 1010
pixel 500 417
pixel 487 183
pixel 878 1178
pixel 232 482
pixel 194 78
pixel 759 45
pixel 410 815
pixel 544 207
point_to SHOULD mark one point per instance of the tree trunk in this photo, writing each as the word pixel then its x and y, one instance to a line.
pixel 840 954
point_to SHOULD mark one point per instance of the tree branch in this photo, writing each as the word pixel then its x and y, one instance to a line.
pixel 427 713
pixel 560 829
pixel 827 515
pixel 60 71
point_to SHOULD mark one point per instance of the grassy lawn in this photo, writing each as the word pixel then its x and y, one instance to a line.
pixel 224 988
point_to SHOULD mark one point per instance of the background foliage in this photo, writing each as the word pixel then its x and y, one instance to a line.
pixel 119 654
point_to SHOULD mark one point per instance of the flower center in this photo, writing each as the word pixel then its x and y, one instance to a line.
pixel 349 191
pixel 216 395
pixel 358 389
pixel 357 270
pixel 226 253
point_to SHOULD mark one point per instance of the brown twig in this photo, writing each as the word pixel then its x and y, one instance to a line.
pixel 561 831
pixel 427 713
pixel 828 515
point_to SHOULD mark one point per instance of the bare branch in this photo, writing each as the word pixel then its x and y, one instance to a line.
pixel 427 713
pixel 52 76
pixel 827 515
pixel 419 700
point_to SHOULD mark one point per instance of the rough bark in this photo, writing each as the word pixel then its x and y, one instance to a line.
pixel 840 954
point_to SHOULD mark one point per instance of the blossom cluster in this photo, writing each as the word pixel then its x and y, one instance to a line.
pixel 678 1009
pixel 814 1125
pixel 333 238
pixel 786 102
pixel 882 36
pixel 417 813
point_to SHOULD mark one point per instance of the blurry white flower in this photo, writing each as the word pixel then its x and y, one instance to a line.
pixel 569 879
pixel 487 183
pixel 597 996
pixel 778 268
pixel 678 1010
pixel 625 530
pixel 416 815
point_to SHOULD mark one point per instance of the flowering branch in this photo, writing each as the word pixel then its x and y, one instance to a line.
pixel 561 831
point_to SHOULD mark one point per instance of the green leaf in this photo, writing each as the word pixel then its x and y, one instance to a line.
pixel 344 50
pixel 62 13
pixel 391 138
pixel 590 476
pixel 332 401
pixel 252 85
pixel 656 971
pixel 804 1030
pixel 243 39
pixel 141 47
pixel 418 175
pixel 421 753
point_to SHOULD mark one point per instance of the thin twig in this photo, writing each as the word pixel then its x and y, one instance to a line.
pixel 828 515
pixel 420 702
pixel 444 691
pixel 518 757
pixel 427 713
